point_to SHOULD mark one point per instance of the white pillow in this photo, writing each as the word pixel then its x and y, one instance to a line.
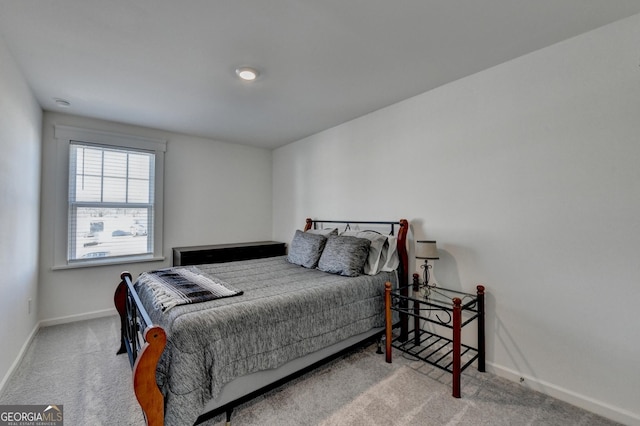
pixel 390 260
pixel 373 264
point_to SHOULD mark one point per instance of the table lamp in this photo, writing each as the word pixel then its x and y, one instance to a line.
pixel 426 250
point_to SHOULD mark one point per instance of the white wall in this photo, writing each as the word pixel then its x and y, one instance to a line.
pixel 527 176
pixel 215 192
pixel 20 124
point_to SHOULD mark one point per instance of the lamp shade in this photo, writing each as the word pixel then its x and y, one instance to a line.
pixel 426 250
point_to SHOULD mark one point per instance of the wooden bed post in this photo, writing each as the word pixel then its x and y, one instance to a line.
pixel 403 277
pixel 388 321
pixel 402 252
pixel 308 224
pixel 144 376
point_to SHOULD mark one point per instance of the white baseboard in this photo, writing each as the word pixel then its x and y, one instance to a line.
pixel 79 317
pixel 601 408
pixel 18 359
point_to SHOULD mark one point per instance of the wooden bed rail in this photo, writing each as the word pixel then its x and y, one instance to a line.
pixel 388 322
pixel 144 349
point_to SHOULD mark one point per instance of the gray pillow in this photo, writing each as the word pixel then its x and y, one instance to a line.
pixel 375 261
pixel 344 255
pixel 306 248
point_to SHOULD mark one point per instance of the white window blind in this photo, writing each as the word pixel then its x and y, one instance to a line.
pixel 111 202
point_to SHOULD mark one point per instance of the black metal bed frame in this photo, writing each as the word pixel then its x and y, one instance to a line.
pixel 137 319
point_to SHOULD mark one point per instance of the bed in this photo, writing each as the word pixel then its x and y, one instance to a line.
pixel 269 320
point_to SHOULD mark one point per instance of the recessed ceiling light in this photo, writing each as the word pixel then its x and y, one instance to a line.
pixel 62 102
pixel 247 73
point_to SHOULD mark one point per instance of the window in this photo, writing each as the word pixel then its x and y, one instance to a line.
pixel 114 197
pixel 110 202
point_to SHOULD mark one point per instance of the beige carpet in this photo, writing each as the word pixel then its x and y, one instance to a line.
pixel 361 389
pixel 75 365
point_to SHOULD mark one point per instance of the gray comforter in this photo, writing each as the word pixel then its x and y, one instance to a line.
pixel 286 311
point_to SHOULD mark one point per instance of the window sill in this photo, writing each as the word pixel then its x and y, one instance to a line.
pixel 108 262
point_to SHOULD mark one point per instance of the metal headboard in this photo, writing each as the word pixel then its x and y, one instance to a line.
pixel 348 223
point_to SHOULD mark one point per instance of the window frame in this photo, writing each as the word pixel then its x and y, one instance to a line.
pixel 65 136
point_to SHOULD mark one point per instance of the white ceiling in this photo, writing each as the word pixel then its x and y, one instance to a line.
pixel 170 64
